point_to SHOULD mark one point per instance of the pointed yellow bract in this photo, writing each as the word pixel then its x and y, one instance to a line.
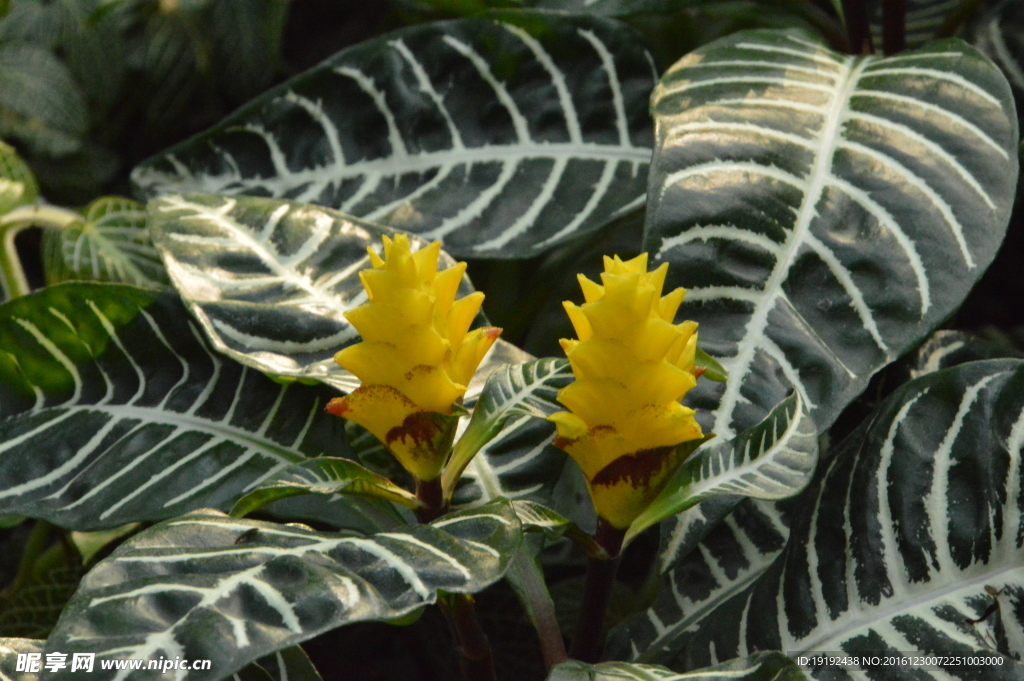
pixel 417 354
pixel 632 365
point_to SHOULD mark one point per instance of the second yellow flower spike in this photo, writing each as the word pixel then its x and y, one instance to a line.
pixel 632 365
pixel 417 354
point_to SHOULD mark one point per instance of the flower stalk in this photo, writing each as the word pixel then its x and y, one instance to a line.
pixel 476 661
pixel 588 640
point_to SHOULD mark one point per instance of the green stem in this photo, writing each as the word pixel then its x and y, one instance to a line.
pixel 12 274
pixel 894 26
pixel 475 658
pixel 527 579
pixel 588 641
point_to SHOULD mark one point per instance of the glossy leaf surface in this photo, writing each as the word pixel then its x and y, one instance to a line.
pixel 114 409
pixel 324 475
pixel 502 136
pixel 825 211
pixel 208 586
pixel 270 281
pixel 896 546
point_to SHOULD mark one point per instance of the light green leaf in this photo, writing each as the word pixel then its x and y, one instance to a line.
pixel 513 390
pixel 502 135
pixel 324 475
pixel 17 184
pixel 114 409
pixel 111 243
pixel 773 460
pixel 233 590
pixel 770 666
pixel 825 211
pixel 553 525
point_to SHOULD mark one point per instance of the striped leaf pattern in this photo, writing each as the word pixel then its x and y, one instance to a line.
pixel 9 650
pixel 114 409
pixel 826 211
pixel 773 460
pixel 507 424
pixel 112 243
pixel 759 667
pixel 902 541
pixel 270 281
pixel 208 586
pixel 502 136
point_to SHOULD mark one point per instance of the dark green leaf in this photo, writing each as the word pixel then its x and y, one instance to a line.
pixel 900 540
pixel 324 475
pixel 207 586
pixel 759 667
pixel 40 104
pixel 826 211
pixel 502 136
pixel 113 409
pixel 270 281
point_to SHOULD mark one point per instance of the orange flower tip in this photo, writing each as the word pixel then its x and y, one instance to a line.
pixel 698 371
pixel 338 406
pixel 492 333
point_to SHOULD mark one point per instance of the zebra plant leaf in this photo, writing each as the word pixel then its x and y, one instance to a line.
pixel 112 243
pixel 325 475
pixel 903 538
pixel 513 390
pixel 270 281
pixel 10 648
pixel 773 460
pixel 208 586
pixel 826 211
pixel 502 136
pixel 114 409
pixel 539 518
pixel 770 666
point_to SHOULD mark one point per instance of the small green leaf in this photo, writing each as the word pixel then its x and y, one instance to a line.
pixel 712 369
pixel 773 460
pixel 325 475
pixel 539 518
pixel 111 243
pixel 512 390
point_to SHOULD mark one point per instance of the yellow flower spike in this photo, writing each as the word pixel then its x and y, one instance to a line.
pixel 632 367
pixel 416 357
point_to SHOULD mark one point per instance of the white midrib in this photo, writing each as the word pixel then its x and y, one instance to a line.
pixel 808 210
pixel 422 162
